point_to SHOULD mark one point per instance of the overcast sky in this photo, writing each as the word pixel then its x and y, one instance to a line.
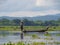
pixel 21 8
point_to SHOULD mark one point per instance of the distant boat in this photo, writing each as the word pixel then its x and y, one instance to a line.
pixel 41 30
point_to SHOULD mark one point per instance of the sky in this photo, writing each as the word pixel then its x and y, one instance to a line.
pixel 29 8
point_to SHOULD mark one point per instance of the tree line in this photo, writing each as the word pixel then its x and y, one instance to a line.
pixel 16 22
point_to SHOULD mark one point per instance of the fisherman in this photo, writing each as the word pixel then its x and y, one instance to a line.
pixel 21 24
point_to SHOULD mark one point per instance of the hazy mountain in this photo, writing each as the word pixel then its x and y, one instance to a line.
pixel 47 17
pixel 43 18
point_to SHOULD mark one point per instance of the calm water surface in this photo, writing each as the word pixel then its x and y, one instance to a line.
pixel 6 36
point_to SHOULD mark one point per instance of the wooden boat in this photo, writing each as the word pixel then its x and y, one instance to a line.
pixel 42 30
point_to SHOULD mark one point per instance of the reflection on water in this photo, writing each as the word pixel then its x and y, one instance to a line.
pixel 6 36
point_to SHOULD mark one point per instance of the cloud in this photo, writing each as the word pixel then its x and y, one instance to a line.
pixel 29 5
pixel 16 5
pixel 23 8
pixel 29 13
pixel 43 2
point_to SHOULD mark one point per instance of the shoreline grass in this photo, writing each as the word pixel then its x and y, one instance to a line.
pixel 33 43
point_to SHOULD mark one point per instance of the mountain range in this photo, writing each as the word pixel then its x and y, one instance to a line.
pixel 43 18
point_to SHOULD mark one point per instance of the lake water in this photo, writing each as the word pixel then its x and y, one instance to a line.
pixel 6 36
